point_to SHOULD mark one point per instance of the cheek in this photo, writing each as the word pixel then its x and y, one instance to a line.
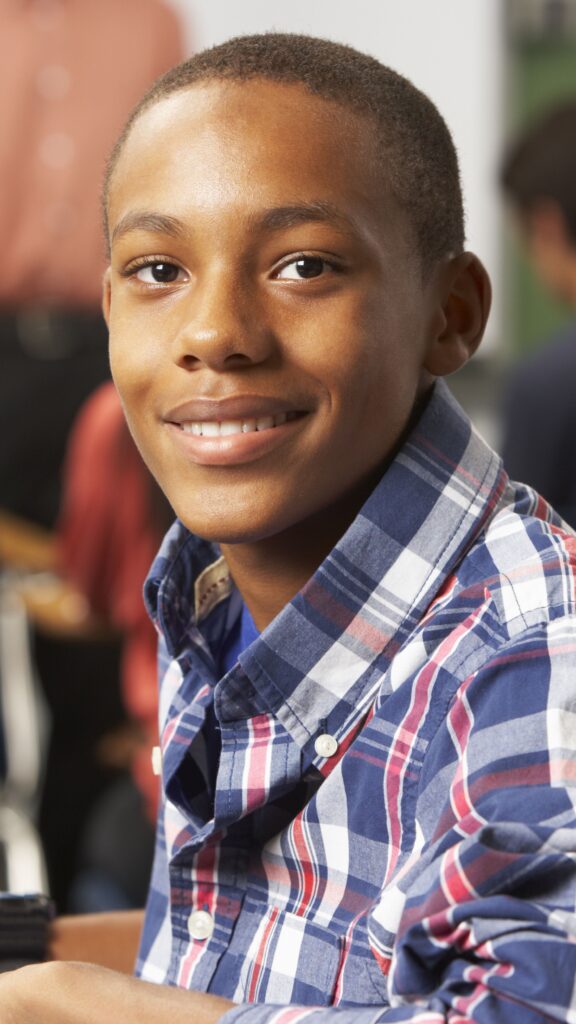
pixel 377 389
pixel 131 363
pixel 328 341
pixel 363 366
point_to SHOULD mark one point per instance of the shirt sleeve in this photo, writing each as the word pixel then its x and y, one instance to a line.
pixel 488 927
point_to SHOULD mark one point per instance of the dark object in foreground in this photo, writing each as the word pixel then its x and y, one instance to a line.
pixel 24 924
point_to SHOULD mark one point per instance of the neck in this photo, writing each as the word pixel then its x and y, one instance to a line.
pixel 266 580
pixel 270 572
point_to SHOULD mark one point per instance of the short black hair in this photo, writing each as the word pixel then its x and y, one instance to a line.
pixel 541 164
pixel 420 163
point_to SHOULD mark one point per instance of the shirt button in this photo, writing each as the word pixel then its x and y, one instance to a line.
pixel 200 925
pixel 156 758
pixel 325 745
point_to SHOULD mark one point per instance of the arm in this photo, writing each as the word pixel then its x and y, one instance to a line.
pixel 24 545
pixel 486 924
pixel 110 940
pixel 484 919
pixel 489 914
pixel 78 993
pixel 93 991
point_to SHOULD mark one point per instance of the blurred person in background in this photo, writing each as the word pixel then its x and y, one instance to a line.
pixel 112 521
pixel 539 178
pixel 70 70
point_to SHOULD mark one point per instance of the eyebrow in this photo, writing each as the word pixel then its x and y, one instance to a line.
pixel 145 220
pixel 277 218
pixel 281 217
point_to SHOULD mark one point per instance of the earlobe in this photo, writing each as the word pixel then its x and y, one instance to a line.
pixel 465 294
pixel 106 295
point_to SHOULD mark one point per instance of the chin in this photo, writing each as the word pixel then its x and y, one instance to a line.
pixel 248 526
pixel 237 529
pixel 232 515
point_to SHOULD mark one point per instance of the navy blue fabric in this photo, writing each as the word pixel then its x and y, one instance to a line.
pixel 539 428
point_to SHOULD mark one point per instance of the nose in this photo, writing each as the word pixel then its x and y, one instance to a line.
pixel 222 325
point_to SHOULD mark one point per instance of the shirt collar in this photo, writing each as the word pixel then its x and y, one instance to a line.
pixel 325 649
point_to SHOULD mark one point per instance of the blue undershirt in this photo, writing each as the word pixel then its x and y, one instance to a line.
pixel 239 638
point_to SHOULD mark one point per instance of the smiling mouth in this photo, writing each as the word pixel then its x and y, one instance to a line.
pixel 228 428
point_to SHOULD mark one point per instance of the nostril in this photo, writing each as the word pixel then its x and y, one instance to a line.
pixel 221 346
pixel 238 357
pixel 189 362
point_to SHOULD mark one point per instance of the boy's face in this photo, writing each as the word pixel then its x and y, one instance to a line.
pixel 268 317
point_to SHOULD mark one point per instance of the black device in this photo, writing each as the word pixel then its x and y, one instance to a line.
pixel 24 922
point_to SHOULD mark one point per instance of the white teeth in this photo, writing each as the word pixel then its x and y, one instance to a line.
pixel 230 427
pixel 225 428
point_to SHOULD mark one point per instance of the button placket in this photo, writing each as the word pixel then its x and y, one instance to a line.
pixel 200 925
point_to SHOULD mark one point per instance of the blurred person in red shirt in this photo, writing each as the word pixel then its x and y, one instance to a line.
pixel 112 521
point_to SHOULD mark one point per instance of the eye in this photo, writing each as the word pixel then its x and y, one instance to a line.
pixel 303 268
pixel 159 273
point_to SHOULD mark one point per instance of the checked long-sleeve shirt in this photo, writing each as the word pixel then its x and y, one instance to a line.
pixel 371 816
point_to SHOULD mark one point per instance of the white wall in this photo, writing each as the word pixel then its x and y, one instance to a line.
pixel 451 49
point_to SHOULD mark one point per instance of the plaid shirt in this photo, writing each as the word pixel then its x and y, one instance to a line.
pixel 392 832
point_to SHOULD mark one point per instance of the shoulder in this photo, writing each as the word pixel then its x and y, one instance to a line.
pixel 97 427
pixel 103 405
pixel 525 560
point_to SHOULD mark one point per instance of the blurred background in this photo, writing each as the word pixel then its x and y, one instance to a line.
pixel 77 686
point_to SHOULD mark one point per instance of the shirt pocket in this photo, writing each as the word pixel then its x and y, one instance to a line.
pixel 362 978
pixel 289 960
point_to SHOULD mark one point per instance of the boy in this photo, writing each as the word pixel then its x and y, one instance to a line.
pixel 367 636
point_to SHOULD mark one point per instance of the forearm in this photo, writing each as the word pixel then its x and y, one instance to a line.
pixel 78 993
pixel 110 940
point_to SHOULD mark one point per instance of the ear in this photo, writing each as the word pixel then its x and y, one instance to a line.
pixel 464 293
pixel 106 295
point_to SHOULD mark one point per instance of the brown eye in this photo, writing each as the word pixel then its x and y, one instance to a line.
pixel 159 273
pixel 304 268
pixel 309 266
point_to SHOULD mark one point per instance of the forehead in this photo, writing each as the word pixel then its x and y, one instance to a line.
pixel 232 142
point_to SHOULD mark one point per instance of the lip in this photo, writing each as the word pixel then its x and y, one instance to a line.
pixel 233 407
pixel 233 449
